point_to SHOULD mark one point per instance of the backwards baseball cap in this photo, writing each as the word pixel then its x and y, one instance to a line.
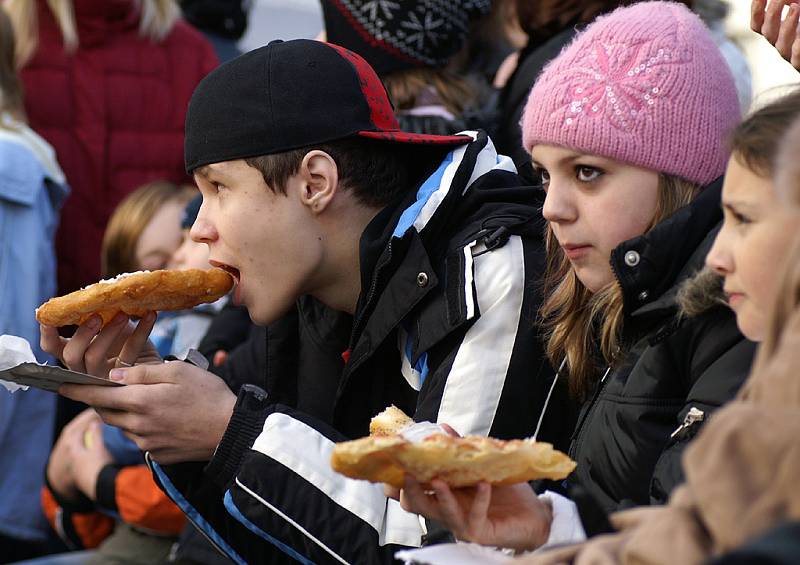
pixel 288 95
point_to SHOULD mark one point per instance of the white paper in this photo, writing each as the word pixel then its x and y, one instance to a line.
pixel 14 351
pixel 566 526
pixel 455 554
pixel 19 369
pixel 420 430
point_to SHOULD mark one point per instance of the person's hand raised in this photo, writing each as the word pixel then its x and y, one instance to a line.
pixel 96 350
pixel 782 32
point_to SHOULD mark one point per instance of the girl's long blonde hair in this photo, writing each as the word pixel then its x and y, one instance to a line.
pixel 584 327
pixel 158 17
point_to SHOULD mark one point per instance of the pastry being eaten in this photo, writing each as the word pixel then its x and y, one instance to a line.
pixel 135 294
pixel 458 461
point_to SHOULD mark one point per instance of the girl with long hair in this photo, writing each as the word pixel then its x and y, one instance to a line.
pixel 626 130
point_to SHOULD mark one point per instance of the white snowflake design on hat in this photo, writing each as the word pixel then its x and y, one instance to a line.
pixel 415 28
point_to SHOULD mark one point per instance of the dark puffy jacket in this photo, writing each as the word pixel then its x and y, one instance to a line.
pixel 625 443
pixel 114 112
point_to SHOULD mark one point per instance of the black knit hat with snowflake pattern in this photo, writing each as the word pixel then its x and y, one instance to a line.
pixel 402 34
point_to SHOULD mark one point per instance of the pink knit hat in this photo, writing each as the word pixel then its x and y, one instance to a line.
pixel 645 85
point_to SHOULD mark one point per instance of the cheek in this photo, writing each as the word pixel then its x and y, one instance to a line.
pixel 759 258
pixel 616 224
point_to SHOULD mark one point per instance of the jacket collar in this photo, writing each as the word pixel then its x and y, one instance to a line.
pixel 651 267
pixel 401 246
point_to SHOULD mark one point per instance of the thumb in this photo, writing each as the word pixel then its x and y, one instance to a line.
pixel 220 357
pixel 144 374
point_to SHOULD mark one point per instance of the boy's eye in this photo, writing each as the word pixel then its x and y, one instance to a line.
pixel 585 173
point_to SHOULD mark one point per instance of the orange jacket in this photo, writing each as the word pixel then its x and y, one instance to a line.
pixel 128 494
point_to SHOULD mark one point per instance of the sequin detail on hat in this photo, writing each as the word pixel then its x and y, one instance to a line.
pixel 621 82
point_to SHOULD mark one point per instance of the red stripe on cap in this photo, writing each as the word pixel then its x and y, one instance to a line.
pixel 381 112
pixel 418 138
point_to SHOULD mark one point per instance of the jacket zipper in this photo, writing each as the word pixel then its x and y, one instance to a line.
pixel 573 450
pixel 692 417
pixel 370 295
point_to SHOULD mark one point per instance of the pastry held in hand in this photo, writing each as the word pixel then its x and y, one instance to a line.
pixel 458 461
pixel 135 294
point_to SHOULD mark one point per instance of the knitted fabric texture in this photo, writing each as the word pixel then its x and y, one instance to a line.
pixel 402 34
pixel 644 85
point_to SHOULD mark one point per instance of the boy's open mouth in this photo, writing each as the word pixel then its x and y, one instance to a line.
pixel 232 271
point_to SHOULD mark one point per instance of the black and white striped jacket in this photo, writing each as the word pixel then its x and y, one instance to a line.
pixel 445 329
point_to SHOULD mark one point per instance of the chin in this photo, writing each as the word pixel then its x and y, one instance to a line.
pixel 266 315
pixel 752 327
pixel 593 281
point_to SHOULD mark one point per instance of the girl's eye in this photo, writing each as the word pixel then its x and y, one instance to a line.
pixel 740 219
pixel 587 174
pixel 544 177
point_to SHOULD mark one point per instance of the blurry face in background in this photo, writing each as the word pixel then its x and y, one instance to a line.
pixel 751 246
pixel 161 237
pixel 190 255
pixel 593 204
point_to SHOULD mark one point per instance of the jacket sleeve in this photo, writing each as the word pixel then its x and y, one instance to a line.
pixel 718 365
pixel 269 492
pixel 80 526
pixel 132 494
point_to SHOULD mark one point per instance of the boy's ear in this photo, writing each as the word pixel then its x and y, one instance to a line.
pixel 320 177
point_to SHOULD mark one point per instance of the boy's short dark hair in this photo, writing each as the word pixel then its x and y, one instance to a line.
pixel 377 172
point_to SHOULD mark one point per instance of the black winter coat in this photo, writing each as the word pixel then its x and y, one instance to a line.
pixel 625 443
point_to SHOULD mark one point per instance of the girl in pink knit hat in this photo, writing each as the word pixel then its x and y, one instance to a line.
pixel 626 128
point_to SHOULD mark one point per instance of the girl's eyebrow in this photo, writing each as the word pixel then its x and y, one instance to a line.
pixel 738 206
pixel 565 160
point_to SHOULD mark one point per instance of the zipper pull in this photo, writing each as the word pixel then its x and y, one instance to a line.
pixel 692 417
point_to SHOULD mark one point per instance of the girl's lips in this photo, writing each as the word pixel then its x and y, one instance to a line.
pixel 575 251
pixel 734 298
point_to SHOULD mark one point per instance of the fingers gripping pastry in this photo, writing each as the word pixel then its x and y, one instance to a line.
pixel 135 294
pixel 458 461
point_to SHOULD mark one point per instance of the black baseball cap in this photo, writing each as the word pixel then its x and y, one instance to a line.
pixel 287 95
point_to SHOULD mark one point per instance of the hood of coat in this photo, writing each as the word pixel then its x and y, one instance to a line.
pixel 700 292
